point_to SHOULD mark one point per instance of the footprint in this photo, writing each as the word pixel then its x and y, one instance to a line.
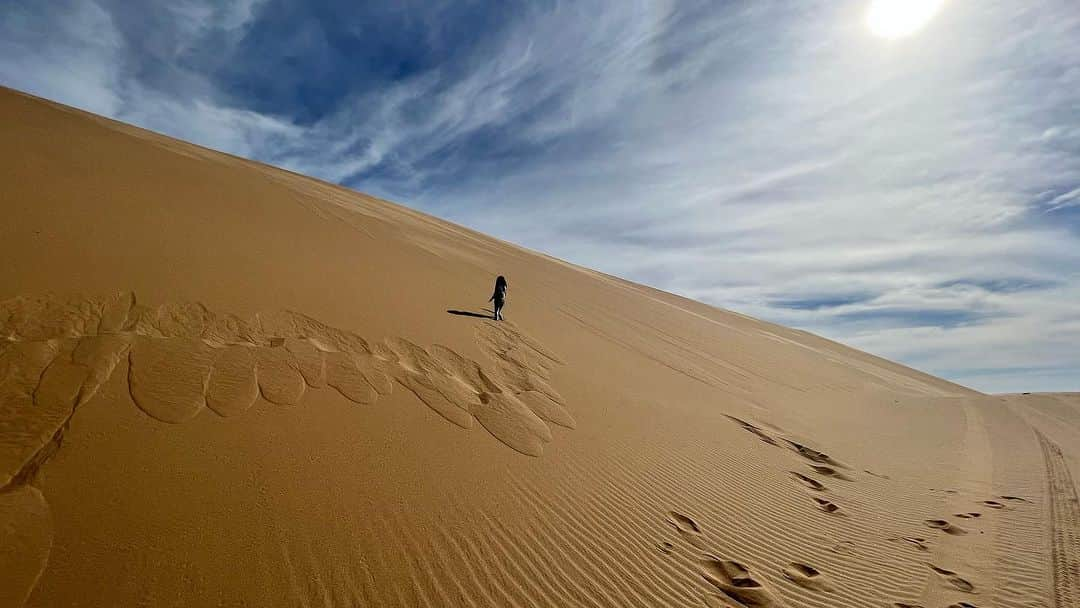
pixel 809 482
pixel 687 528
pixel 806 576
pixel 971 515
pixel 903 605
pixel 954 579
pixel 666 547
pixel 754 429
pixel 829 472
pixel 993 504
pixel 946 527
pixel 683 523
pixel 736 582
pixel 825 505
pixel 920 543
pixel 811 454
pixel 962 605
pixel 1014 498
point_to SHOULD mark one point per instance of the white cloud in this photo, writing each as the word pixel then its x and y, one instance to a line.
pixel 1069 199
pixel 747 156
pixel 77 65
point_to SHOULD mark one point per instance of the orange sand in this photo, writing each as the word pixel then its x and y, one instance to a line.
pixel 224 384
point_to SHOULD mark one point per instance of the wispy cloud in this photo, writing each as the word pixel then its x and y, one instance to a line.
pixel 1068 199
pixel 917 198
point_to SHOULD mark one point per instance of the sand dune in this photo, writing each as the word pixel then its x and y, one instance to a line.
pixel 223 384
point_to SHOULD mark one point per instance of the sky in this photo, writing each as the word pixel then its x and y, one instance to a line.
pixel 918 198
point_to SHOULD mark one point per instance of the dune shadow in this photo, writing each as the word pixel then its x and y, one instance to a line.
pixel 467 313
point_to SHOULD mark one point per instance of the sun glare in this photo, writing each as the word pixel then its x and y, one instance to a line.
pixel 898 18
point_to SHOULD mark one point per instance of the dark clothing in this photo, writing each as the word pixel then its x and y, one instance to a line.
pixel 499 298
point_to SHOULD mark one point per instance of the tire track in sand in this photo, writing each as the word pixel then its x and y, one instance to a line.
pixel 1064 525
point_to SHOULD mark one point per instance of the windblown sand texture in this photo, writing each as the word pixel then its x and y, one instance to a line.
pixel 223 384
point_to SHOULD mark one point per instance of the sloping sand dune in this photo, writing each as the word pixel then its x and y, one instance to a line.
pixel 223 384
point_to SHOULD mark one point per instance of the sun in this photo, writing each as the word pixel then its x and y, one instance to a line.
pixel 898 18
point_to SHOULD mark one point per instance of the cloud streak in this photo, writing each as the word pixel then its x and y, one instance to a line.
pixel 916 198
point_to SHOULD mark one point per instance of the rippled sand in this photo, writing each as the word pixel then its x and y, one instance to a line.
pixel 222 384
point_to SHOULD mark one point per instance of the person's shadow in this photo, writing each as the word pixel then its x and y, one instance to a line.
pixel 466 313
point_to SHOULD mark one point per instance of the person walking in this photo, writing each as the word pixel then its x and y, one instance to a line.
pixel 499 297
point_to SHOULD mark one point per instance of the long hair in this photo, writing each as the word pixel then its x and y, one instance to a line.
pixel 500 282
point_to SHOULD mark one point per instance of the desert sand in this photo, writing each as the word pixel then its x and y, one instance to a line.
pixel 224 384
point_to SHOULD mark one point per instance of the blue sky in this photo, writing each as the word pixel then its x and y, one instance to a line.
pixel 918 198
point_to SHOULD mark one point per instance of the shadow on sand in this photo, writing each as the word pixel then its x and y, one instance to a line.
pixel 466 313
